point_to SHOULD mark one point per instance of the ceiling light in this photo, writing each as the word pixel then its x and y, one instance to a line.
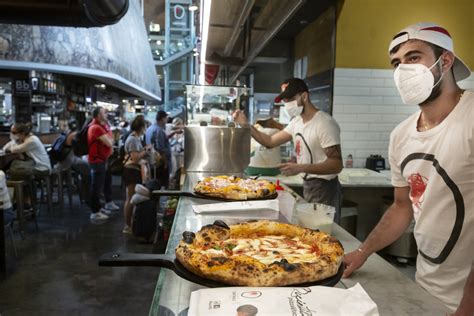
pixel 158 42
pixel 180 44
pixel 206 15
pixel 196 54
pixel 193 7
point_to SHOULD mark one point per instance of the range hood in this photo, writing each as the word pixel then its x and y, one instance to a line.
pixel 78 13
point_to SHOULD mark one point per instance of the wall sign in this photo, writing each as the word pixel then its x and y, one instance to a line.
pixel 21 87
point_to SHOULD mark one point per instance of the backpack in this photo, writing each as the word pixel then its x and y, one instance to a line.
pixel 117 161
pixel 80 143
pixel 59 149
pixel 145 220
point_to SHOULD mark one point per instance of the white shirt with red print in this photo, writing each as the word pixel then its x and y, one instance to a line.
pixel 310 139
pixel 438 166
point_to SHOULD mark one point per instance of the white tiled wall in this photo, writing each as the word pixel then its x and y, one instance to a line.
pixel 367 107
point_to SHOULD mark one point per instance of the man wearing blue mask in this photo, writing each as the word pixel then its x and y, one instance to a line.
pixel 432 163
pixel 316 137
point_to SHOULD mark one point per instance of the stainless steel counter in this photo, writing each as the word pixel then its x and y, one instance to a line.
pixel 394 293
pixel 349 178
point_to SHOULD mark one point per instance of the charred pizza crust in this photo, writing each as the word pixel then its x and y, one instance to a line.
pixel 195 252
pixel 234 188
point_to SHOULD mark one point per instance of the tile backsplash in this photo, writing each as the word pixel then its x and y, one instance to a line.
pixel 367 107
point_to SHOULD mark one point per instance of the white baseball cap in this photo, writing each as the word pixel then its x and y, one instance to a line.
pixel 434 34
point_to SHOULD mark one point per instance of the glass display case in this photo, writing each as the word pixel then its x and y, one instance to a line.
pixel 213 105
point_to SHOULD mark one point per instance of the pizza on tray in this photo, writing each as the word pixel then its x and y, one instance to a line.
pixel 235 188
pixel 260 253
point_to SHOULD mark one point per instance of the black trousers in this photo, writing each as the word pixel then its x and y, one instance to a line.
pixel 101 181
pixel 329 192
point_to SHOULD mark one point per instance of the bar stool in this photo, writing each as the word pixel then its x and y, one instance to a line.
pixel 77 182
pixel 62 175
pixel 43 177
pixel 8 227
pixel 18 198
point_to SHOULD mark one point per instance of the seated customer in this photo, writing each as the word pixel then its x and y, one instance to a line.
pixel 5 202
pixel 36 160
pixel 74 162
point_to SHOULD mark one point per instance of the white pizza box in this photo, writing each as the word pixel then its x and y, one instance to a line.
pixel 241 206
pixel 315 300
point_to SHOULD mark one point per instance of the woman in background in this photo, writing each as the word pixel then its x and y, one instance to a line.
pixel 135 155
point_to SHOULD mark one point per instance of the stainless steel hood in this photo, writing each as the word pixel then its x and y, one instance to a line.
pixel 79 13
pixel 216 149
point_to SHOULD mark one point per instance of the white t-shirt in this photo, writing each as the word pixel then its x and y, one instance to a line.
pixel 438 165
pixel 4 195
pixel 310 139
pixel 33 148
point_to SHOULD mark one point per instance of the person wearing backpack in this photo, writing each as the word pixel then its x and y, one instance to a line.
pixel 71 161
pixel 100 143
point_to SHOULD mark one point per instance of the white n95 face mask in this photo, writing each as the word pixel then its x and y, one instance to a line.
pixel 415 82
pixel 293 109
pixel 13 137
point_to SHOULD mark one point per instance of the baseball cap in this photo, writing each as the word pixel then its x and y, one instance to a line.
pixel 291 87
pixel 434 34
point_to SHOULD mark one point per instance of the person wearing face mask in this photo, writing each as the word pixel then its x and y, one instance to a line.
pixel 432 165
pixel 24 142
pixel 316 137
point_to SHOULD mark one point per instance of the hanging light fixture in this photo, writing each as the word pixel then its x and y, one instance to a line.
pixel 205 18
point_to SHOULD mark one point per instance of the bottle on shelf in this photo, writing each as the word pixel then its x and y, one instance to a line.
pixel 349 161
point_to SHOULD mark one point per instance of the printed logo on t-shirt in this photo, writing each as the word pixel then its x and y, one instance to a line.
pixel 298 148
pixel 440 179
pixel 418 185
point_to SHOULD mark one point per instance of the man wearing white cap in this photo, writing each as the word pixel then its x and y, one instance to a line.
pixel 432 161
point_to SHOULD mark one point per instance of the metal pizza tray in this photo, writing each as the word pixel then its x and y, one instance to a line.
pixel 156 194
pixel 170 262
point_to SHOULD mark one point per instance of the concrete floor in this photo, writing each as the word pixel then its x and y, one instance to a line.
pixel 57 272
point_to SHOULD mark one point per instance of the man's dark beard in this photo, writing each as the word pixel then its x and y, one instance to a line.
pixel 436 92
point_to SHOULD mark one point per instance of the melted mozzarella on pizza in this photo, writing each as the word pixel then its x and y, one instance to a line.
pixel 233 183
pixel 268 249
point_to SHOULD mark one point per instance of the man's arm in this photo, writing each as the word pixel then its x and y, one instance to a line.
pixel 106 140
pixel 266 140
pixel 392 225
pixel 331 165
pixel 466 307
pixel 24 147
pixel 9 145
pixel 148 135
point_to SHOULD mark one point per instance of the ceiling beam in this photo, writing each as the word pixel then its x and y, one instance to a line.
pixel 275 25
pixel 244 14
